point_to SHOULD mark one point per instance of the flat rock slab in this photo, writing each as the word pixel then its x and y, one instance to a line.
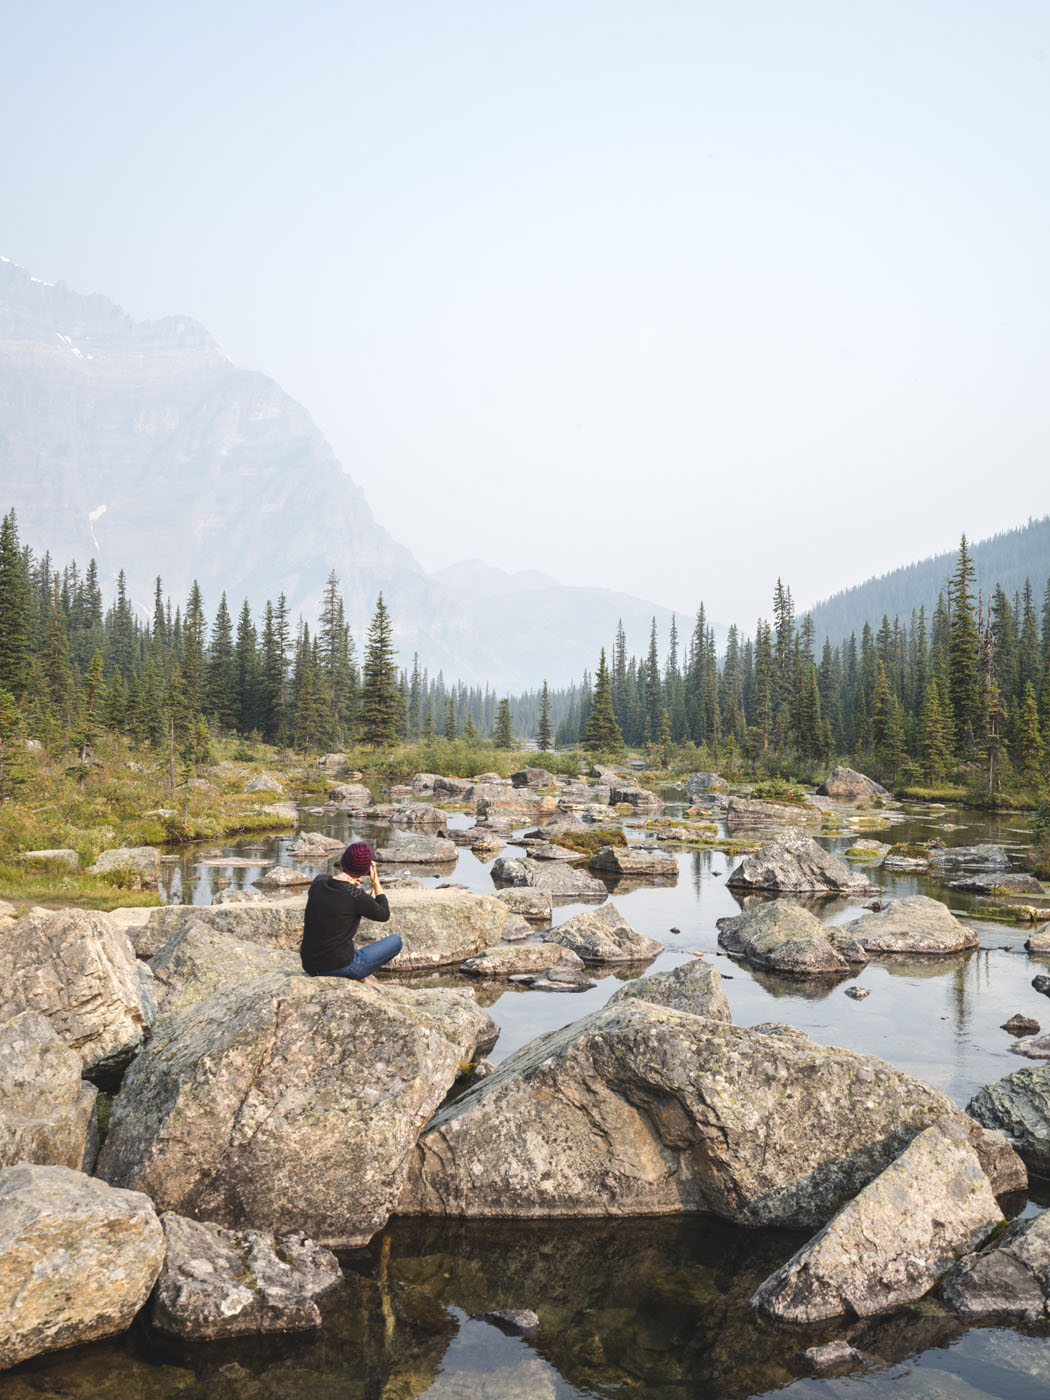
pixel 603 935
pixel 438 928
pixel 1019 1105
pixel 982 857
pixel 270 924
pixel 895 1239
pixel 532 904
pixel 289 1103
pixel 75 968
pixel 417 850
pixel 793 862
pixel 783 937
pixel 1010 1278
pixel 912 924
pixel 558 880
pixel 695 988
pixel 46 1109
pixel 1003 883
pixel 523 957
pixel 226 1283
pixel 77 1259
pixel 546 850
pixel 749 812
pixel 198 961
pixel 641 1110
pixel 634 863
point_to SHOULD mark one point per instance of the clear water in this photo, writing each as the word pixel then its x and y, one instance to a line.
pixel 651 1308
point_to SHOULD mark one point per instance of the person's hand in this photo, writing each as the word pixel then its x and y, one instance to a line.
pixel 373 875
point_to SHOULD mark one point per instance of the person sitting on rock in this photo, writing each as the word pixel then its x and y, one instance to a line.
pixel 335 907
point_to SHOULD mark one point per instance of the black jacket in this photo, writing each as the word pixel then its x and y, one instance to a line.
pixel 334 908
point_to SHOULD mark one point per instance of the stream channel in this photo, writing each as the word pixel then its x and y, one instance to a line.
pixel 646 1308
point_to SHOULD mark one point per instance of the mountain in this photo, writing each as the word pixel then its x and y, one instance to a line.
pixel 145 446
pixel 1006 559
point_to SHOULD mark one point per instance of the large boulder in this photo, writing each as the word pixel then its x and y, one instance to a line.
pixel 270 924
pixel 315 846
pixel 534 778
pixel 517 802
pixel 439 928
pixel 515 960
pixel 847 785
pixel 631 795
pixel 603 935
pixel 970 858
pixel 640 1110
pixel 695 987
pixel 912 924
pixel 46 1109
pixel 560 881
pixel 228 1283
pixel 745 813
pixel 633 862
pixel 198 961
pixel 893 1241
pixel 699 785
pixel 783 937
pixel 282 877
pixel 998 885
pixel 1010 1278
pixel 352 795
pixel 1019 1105
pixel 532 904
pixel 289 1103
pixel 138 865
pixel 77 1259
pixel 792 861
pixel 417 816
pixel 417 850
pixel 79 972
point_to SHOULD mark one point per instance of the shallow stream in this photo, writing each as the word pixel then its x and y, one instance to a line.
pixel 629 1308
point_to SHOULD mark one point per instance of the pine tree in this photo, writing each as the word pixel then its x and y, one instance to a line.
pixel 601 733
pixel 470 729
pixel 93 700
pixel 220 674
pixel 935 737
pixel 193 660
pixel 543 737
pixel 994 719
pixel 450 718
pixel 246 673
pixel 1031 753
pixel 14 759
pixel 380 714
pixel 15 611
pixel 964 691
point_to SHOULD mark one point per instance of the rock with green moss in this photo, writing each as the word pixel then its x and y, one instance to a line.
pixel 77 1259
pixel 895 1239
pixel 748 812
pixel 1008 1278
pixel 868 852
pixel 641 1110
pixel 290 1103
pixel 139 864
pixel 793 862
pixel 228 1283
pixel 695 987
pixel 634 863
pixel 46 1109
pixel 783 937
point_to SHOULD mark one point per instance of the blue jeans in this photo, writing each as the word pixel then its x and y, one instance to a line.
pixel 366 959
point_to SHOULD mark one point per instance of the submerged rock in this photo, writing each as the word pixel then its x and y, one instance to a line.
pixel 46 1109
pixel 847 785
pixel 226 1283
pixel 783 937
pixel 603 935
pixel 75 968
pixel 911 924
pixel 695 988
pixel 289 1103
pixel 792 861
pixel 524 957
pixel 77 1259
pixel 640 1110
pixel 895 1239
pixel 1010 1278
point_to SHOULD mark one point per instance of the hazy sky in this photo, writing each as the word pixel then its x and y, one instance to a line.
pixel 660 296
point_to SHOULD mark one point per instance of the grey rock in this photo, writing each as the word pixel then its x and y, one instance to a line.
pixel 1035 1048
pixel 603 935
pixel 270 924
pixel 227 1283
pixel 695 988
pixel 352 795
pixel 1042 983
pixel 560 979
pixel 558 880
pixel 77 1259
pixel 641 1110
pixel 283 813
pixel 517 802
pixel 981 857
pixel 438 928
pixel 1006 883
pixel 847 785
pixel 1019 1105
pixel 315 846
pixel 517 929
pixel 79 972
pixel 535 905
pixel 858 993
pixel 546 850
pixel 281 877
pixel 518 1322
pixel 59 856
pixel 783 937
pixel 641 799
pixel 417 850
pixel 702 784
pixel 141 863
pixel 746 813
pixel 1021 1025
pixel 198 961
pixel 527 957
pixel 635 863
pixel 289 1103
pixel 264 783
pixel 833 1355
pixel 895 1239
pixel 486 844
pixel 1010 1278
pixel 793 861
pixel 46 1109
pixel 912 924
pixel 534 778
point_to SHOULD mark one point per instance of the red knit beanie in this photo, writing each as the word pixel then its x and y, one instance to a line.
pixel 357 858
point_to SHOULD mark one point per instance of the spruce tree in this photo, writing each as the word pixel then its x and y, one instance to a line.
pixel 380 713
pixel 503 738
pixel 543 737
pixel 15 611
pixel 1030 751
pixel 601 733
pixel 14 759
pixel 220 674
pixel 450 719
pixel 964 689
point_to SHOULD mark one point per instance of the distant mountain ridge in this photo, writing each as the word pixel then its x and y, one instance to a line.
pixel 1006 559
pixel 145 446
